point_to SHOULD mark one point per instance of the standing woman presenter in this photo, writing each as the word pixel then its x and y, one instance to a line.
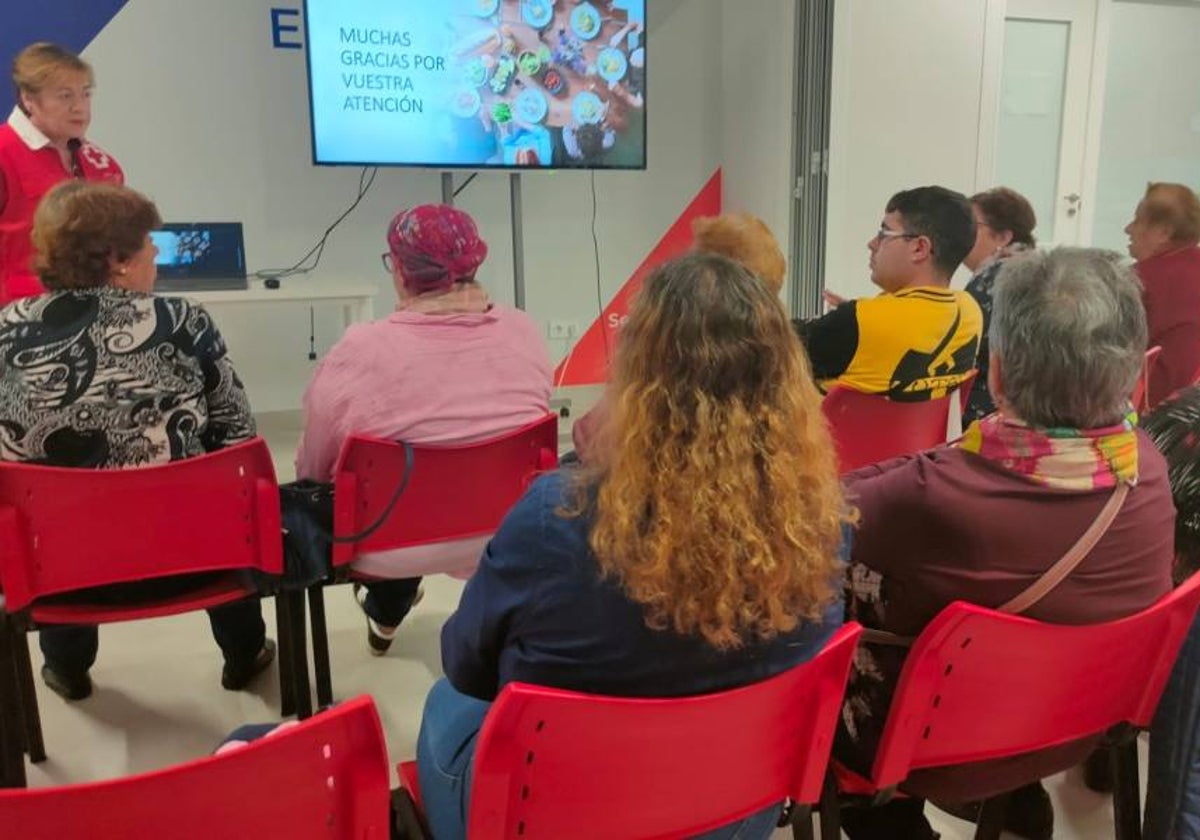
pixel 41 145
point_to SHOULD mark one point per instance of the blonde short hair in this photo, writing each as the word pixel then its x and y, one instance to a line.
pixel 36 65
pixel 1174 207
pixel 746 240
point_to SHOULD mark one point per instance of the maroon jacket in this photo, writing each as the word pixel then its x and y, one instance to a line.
pixel 948 525
pixel 1171 295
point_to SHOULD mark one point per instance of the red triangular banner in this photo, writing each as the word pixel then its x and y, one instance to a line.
pixel 587 363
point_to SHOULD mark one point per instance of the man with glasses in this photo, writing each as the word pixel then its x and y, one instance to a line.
pixel 917 340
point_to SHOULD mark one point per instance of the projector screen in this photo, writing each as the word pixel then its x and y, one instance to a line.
pixel 478 83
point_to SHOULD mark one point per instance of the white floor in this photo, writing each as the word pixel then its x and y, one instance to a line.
pixel 158 699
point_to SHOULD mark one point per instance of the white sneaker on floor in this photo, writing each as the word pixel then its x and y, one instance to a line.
pixel 379 636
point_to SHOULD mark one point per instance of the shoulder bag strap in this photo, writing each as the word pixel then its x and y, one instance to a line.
pixel 1057 573
pixel 1041 587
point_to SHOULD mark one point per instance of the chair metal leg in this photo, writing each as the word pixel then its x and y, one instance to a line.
pixel 299 632
pixel 407 821
pixel 830 808
pixel 12 752
pixel 991 818
pixel 287 678
pixel 1127 798
pixel 320 646
pixel 31 719
pixel 802 824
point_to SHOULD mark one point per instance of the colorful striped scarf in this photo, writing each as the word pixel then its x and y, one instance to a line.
pixel 1069 459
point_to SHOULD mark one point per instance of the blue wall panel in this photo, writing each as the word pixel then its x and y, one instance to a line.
pixel 72 23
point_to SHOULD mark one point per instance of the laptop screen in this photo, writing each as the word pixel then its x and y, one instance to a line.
pixel 200 250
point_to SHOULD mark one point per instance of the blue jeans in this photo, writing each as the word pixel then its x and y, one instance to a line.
pixel 388 601
pixel 1173 784
pixel 445 751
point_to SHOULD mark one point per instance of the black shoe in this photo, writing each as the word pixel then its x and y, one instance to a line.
pixel 1029 813
pixel 379 637
pixel 899 819
pixel 1097 770
pixel 237 678
pixel 67 686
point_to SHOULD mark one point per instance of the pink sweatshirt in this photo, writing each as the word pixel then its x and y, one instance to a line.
pixel 425 378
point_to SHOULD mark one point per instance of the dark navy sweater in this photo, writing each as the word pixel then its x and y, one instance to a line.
pixel 537 611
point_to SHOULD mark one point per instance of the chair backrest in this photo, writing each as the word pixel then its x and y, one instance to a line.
pixel 67 529
pixel 453 493
pixel 980 684
pixel 1141 391
pixel 868 428
pixel 553 763
pixel 326 777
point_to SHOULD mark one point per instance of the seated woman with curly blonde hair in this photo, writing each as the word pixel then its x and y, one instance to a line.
pixel 733 577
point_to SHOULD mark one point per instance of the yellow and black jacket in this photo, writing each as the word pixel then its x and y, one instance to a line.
pixel 912 345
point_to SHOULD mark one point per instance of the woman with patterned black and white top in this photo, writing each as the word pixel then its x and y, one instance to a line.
pixel 100 373
pixel 1004 223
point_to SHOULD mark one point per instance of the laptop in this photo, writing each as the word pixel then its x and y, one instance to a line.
pixel 200 256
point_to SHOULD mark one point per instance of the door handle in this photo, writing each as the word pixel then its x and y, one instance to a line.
pixel 1073 202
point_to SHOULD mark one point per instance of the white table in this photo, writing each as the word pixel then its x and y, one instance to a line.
pixel 357 300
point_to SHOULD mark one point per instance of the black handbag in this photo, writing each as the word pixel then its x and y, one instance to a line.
pixel 306 509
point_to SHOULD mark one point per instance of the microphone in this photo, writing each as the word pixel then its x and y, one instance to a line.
pixel 73 146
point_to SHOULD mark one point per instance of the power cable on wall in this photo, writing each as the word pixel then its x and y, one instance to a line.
pixel 599 289
pixel 465 184
pixel 366 179
pixel 599 294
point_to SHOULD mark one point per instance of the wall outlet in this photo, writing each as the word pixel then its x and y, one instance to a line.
pixel 562 329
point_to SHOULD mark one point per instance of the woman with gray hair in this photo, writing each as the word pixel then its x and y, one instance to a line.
pixel 982 519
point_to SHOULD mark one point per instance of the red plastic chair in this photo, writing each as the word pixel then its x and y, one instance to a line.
pixel 552 763
pixel 981 685
pixel 327 777
pixel 63 530
pixel 1141 392
pixel 868 428
pixel 453 493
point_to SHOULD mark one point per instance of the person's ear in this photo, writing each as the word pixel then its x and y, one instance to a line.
pixel 922 249
pixel 118 267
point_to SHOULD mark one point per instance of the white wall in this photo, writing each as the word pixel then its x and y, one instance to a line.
pixel 212 123
pixel 1151 129
pixel 758 45
pixel 907 80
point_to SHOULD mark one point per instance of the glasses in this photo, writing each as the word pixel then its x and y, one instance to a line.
pixel 389 262
pixel 884 234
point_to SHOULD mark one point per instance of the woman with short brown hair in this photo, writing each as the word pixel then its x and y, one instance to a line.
pixel 42 144
pixel 100 373
pixel 79 233
pixel 1004 224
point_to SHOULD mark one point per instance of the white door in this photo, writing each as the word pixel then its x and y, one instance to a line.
pixel 1038 68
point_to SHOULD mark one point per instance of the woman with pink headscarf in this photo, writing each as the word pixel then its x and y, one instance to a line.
pixel 447 367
